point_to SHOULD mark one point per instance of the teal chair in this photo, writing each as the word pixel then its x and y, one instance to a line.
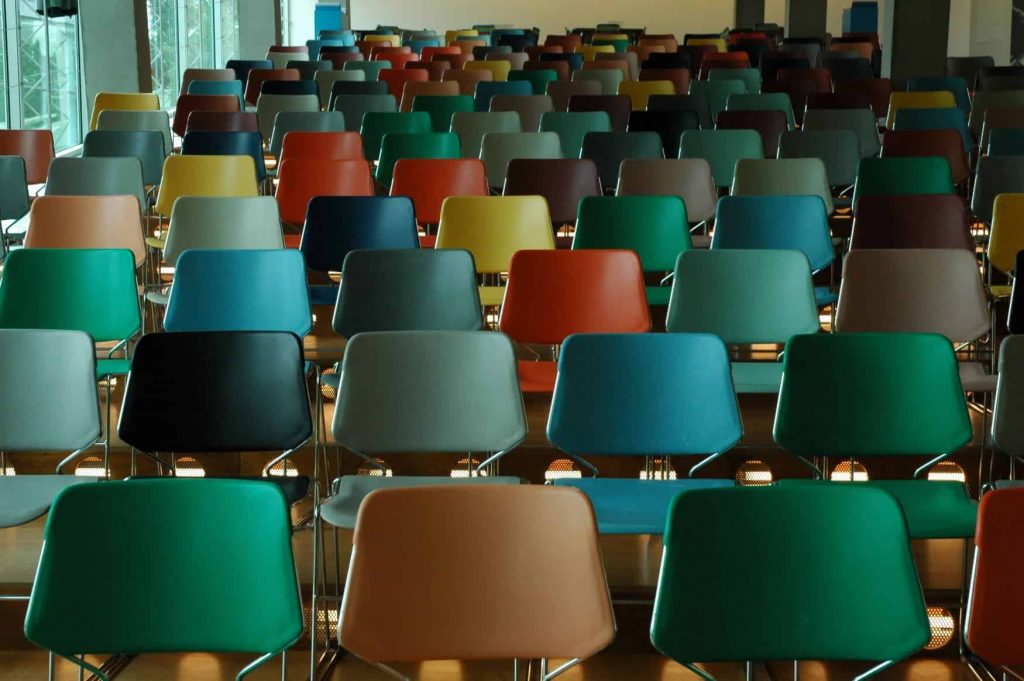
pixel 372 69
pixel 751 78
pixel 397 146
pixel 899 395
pixel 901 176
pixel 573 126
pixel 642 395
pixel 442 108
pixel 233 538
pixel 722 149
pixel 653 226
pixel 738 568
pixel 717 92
pixel 377 124
pixel 745 297
pixel 958 86
pixel 537 78
pixel 218 87
pixel 487 90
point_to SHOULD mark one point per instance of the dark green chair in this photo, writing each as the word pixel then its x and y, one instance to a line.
pixel 898 395
pixel 537 78
pixel 901 176
pixel 721 149
pixel 653 226
pixel 788 573
pixel 398 145
pixel 573 126
pixel 224 550
pixel 442 108
pixel 377 124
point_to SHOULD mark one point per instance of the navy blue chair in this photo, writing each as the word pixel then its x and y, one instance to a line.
pixel 208 143
pixel 242 67
pixel 289 87
pixel 486 90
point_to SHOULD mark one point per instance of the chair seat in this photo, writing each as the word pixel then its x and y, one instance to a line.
pixel 292 240
pixel 658 295
pixel 628 506
pixel 158 297
pixel 974 379
pixel 537 376
pixel 340 509
pixel 757 377
pixel 23 498
pixel 492 296
pixel 934 509
pixel 112 367
pixel 323 295
pixel 823 296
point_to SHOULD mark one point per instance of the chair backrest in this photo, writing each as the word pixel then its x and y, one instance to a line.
pixel 90 290
pixel 355 107
pixel 13 190
pixel 70 420
pixel 222 222
pixel 562 182
pixel 122 101
pixel 722 149
pixel 553 294
pixel 428 182
pixel 912 221
pixel 441 108
pixel 795 222
pixel 1006 237
pixel 944 143
pixel 243 290
pixel 34 146
pixel 655 227
pixel 690 179
pixel 398 78
pixel 942 99
pixel 967 67
pixel 303 121
pixel 914 375
pixel 539 74
pixel 428 145
pixel 956 85
pixel 186 104
pixel 299 180
pixel 865 567
pixel 860 121
pixel 216 87
pixel 240 391
pixel 337 225
pixel 783 177
pixel 256 77
pixel 250 543
pixel 669 125
pixel 205 176
pixel 430 381
pixel 986 99
pixel 378 124
pixel 325 80
pixel 389 615
pixel 898 176
pixel 563 90
pixel 913 291
pixel 336 145
pixel 407 290
pixel 1006 142
pixel 487 90
pixel 86 222
pixel 573 126
pixel 878 91
pixel 529 107
pixel 696 103
pixel 768 101
pixel 222 121
pixel 471 126
pixel 717 93
pixel 497 149
pixel 208 143
pixel 839 150
pixel 609 149
pixel 242 67
pixel 770 125
pixel 995 175
pixel 70 176
pixel 997 118
pixel 935 119
pixel 493 228
pixel 743 296
pixel 467 80
pixel 147 146
pixel 413 89
pixel 270 106
pixel 156 121
pixel 618 108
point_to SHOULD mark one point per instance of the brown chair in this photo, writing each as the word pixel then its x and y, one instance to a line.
pixel 688 178
pixel 428 88
pixel 821 78
pixel 618 107
pixel 839 100
pixel 521 578
pixel 678 77
pixel 35 147
pixel 561 68
pixel 87 222
pixel 630 58
pixel 562 182
pixel 529 107
pixel 222 121
pixel 1000 117
pixel 878 90
pixel 568 43
pixel 534 51
pixel 338 59
pixel 205 74
pixel 257 76
pixel 643 52
pixel 562 91
pixel 434 69
pixel 466 80
pixel 912 221
pixel 188 103
pixel 945 143
pixel 769 124
pixel 664 40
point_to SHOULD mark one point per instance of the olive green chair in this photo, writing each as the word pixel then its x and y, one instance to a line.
pixel 783 177
pixel 397 146
pixel 788 573
pixel 471 126
pixel 442 108
pixel 229 585
pixel 573 126
pixel 901 176
pixel 722 149
pixel 653 226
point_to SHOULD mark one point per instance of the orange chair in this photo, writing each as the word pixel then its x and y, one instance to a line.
pixel 723 60
pixel 467 45
pixel 299 180
pixel 378 50
pixel 336 146
pixel 552 294
pixel 568 43
pixel 35 146
pixel 467 80
pixel 643 52
pixel 87 222
pixel 257 76
pixel 189 103
pixel 428 182
pixel 428 53
pixel 668 42
pixel 397 78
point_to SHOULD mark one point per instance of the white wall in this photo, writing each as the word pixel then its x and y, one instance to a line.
pixel 990 29
pixel 775 12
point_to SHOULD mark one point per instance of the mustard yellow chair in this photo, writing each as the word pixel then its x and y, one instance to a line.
pixel 122 101
pixel 939 99
pixel 1006 238
pixel 493 228
pixel 590 52
pixel 453 35
pixel 205 176
pixel 640 91
pixel 499 69
pixel 393 39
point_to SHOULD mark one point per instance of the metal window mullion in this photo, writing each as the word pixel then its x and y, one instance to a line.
pixel 16 118
pixel 181 34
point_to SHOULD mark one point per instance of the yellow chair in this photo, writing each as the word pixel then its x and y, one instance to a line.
pixel 640 91
pixel 393 39
pixel 943 99
pixel 205 176
pixel 717 43
pixel 590 52
pixel 122 101
pixel 453 35
pixel 493 228
pixel 499 69
pixel 1007 237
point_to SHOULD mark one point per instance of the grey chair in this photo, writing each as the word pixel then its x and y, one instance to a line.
pixel 839 150
pixel 138 120
pixel 325 81
pixel 471 126
pixel 1007 426
pixel 13 198
pixel 995 175
pixel 269 106
pixel 608 79
pixel 609 149
pixel 147 146
pixel 308 69
pixel 38 418
pixel 529 107
pixel 356 86
pixel 498 148
pixel 353 107
pixel 303 121
pixel 860 121
pixel 96 177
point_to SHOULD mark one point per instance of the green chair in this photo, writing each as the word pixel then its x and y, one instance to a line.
pixel 442 108
pixel 573 126
pixel 377 124
pixel 788 573
pixel 722 149
pixel 222 546
pixel 899 394
pixel 653 226
pixel 537 78
pixel 900 176
pixel 745 297
pixel 766 101
pixel 751 78
pixel 398 145
pixel 717 92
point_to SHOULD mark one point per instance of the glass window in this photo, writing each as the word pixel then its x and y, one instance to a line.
pixel 199 38
pixel 163 49
pixel 227 31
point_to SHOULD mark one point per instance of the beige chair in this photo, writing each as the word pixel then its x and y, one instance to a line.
pixel 529 107
pixel 522 578
pixel 87 222
pixel 918 291
pixel 687 178
pixel 414 89
pixel 268 106
pixel 782 177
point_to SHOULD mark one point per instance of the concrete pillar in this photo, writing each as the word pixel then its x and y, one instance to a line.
pixel 806 18
pixel 749 13
pixel 915 38
pixel 257 27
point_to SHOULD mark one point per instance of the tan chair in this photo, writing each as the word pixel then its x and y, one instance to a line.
pixel 522 578
pixel 87 222
pixel 414 89
pixel 687 178
pixel 529 107
pixel 467 80
pixel 917 291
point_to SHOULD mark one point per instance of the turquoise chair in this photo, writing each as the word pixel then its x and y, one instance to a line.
pixel 648 395
pixel 538 78
pixel 573 126
pixel 934 119
pixel 751 78
pixel 767 101
pixel 721 149
pixel 218 87
pixel 797 223
pixel 958 86
pixel 486 90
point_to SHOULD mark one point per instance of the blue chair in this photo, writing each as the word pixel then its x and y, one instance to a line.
pixel 790 223
pixel 219 87
pixel 957 86
pixel 230 290
pixel 242 67
pixel 487 89
pixel 934 119
pixel 1006 142
pixel 209 143
pixel 336 225
pixel 643 395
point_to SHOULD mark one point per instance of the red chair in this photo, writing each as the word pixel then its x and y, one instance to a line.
pixel 912 221
pixel 429 181
pixel 35 147
pixel 553 294
pixel 188 103
pixel 336 146
pixel 397 78
pixel 257 76
pixel 299 180
pixel 945 143
pixel 399 61
pixel 380 49
pixel 338 59
pixel 222 121
pixel 294 49
pixel 429 53
pixel 769 124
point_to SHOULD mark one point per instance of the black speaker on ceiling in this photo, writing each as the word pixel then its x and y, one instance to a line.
pixel 57 8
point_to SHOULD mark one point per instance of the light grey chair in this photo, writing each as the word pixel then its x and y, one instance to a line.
pixel 156 121
pixel 354 107
pixel 145 145
pixel 325 81
pixel 268 106
pixel 304 121
pixel 96 177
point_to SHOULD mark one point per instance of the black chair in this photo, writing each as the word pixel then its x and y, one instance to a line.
pixel 967 67
pixel 846 68
pixel 770 65
pixel 209 143
pixel 668 60
pixel 609 149
pixel 698 104
pixel 145 145
pixel 219 391
pixel 1015 318
pixel 289 87
pixel 242 67
pixel 670 126
pixel 518 43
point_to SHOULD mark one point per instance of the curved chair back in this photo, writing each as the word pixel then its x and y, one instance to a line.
pixel 355 107
pixel 1006 427
pixel 529 107
pixel 498 149
pixel 471 126
pixel 995 175
pixel 216 87
pixel 839 150
pixel 563 90
pixel 722 149
pixel 222 121
pixel 428 182
pixel 441 108
pixel 989 99
pixel 205 143
pixel 147 146
pixel 13 191
pixel 96 177
pixel 205 176
pixel 34 146
pixel 618 108
pixel 122 101
pixel 186 104
pixel 303 121
pixel 562 182
pixel 572 127
pixel 942 99
pixel 654 227
pixel 944 143
pixel 378 124
pixel 242 67
pixel 325 80
pixel 337 146
pixel 768 101
pixel 256 77
pixel 861 121
pixel 269 106
pixel 1006 238
pixel 669 125
pixel 935 119
pixel 783 177
pixel 690 179
pixel 493 228
pixel 222 222
pixel 900 176
pixel 798 223
pixel 86 222
pixel 299 180
pixel 609 149
pixel 337 225
pixel 770 125
pixel 156 121
pixel 912 221
pixel 419 145
pixel 717 93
